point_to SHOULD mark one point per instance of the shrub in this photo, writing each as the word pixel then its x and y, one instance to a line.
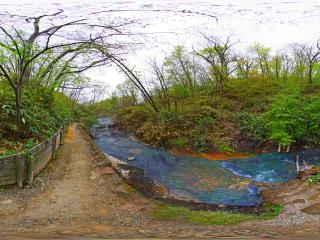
pixel 133 117
pixel 179 143
pixel 200 143
pixel 285 122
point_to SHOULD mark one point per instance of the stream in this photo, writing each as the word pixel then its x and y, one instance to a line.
pixel 231 183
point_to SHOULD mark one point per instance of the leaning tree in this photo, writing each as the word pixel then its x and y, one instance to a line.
pixel 48 53
pixel 50 48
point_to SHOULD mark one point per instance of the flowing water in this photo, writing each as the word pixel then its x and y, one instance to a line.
pixel 230 182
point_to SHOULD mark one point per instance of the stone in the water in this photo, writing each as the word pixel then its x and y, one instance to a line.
pixel 313 209
pixel 135 150
pixel 131 158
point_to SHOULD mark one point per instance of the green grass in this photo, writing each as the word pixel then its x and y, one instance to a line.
pixel 8 152
pixel 167 212
pixel 315 179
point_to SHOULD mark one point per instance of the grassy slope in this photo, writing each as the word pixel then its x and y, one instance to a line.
pixel 170 213
pixel 208 121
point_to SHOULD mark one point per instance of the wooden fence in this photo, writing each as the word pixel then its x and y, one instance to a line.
pixel 21 168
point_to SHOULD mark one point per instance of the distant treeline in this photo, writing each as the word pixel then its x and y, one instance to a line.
pixel 217 98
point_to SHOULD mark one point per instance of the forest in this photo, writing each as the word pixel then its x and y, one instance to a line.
pixel 191 144
pixel 211 98
pixel 42 75
pixel 219 99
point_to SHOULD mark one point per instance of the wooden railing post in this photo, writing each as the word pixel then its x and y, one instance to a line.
pixel 61 137
pixel 54 141
pixel 30 169
pixel 20 164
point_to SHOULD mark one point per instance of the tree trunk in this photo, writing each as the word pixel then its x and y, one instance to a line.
pixel 310 74
pixel 18 122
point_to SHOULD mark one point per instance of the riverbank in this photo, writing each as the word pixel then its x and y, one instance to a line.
pixel 79 195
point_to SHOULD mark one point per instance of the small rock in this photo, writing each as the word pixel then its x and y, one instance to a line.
pixel 93 176
pixel 6 201
pixel 161 190
pixel 106 170
pixel 123 188
pixel 131 158
pixel 312 209
pixel 297 201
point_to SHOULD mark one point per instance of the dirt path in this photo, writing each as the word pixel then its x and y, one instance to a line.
pixel 78 194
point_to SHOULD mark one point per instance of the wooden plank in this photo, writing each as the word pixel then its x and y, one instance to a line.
pixel 8 167
pixel 61 137
pixel 40 167
pixel 58 139
pixel 19 170
pixel 9 163
pixel 40 147
pixel 43 155
pixel 7 158
pixel 10 171
pixel 42 158
pixel 53 147
pixel 7 182
pixel 30 169
pixel 8 178
pixel 10 174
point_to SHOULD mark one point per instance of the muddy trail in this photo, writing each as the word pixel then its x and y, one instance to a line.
pixel 79 195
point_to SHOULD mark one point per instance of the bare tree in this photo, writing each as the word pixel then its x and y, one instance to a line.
pixel 218 54
pixel 286 66
pixel 128 92
pixel 181 69
pixel 310 54
pixel 262 55
pixel 161 82
pixel 244 65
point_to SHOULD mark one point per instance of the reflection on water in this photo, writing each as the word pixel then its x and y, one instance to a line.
pixel 231 182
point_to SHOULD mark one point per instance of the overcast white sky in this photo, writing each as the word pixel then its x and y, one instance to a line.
pixel 269 22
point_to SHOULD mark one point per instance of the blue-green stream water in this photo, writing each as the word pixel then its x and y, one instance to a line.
pixel 230 182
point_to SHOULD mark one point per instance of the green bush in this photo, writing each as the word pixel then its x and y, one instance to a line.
pixel 179 143
pixel 200 143
pixel 133 117
pixel 42 113
pixel 312 120
pixel 285 122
